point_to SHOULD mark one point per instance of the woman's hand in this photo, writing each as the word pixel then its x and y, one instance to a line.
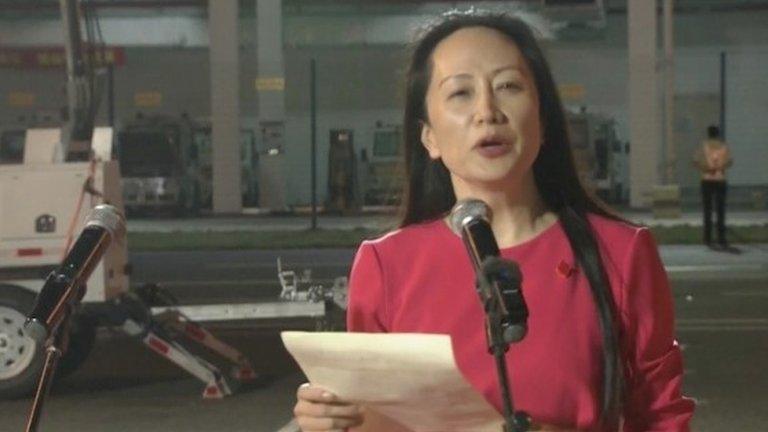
pixel 319 410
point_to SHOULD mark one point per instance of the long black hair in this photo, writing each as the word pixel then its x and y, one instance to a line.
pixel 429 192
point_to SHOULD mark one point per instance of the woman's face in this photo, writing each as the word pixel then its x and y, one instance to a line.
pixel 482 109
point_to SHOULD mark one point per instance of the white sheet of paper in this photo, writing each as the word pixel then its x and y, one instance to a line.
pixel 407 377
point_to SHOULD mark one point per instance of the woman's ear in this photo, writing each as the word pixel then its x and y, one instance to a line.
pixel 428 140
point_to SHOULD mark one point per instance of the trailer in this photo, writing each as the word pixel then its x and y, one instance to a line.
pixel 44 201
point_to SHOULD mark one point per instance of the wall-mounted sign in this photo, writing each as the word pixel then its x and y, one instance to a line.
pixel 19 99
pixel 148 99
pixel 270 84
pixel 55 57
pixel 571 92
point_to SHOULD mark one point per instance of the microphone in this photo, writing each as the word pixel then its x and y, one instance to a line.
pixel 498 279
pixel 63 286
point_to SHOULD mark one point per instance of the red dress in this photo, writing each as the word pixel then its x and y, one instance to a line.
pixel 420 279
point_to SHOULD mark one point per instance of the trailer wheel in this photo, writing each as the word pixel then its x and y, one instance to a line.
pixel 21 360
pixel 82 335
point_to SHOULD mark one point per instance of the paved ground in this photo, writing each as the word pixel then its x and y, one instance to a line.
pixel 377 221
pixel 722 323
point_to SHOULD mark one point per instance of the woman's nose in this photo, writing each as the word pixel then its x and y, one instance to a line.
pixel 487 109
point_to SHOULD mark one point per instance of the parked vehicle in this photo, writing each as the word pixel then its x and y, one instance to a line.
pixel 167 163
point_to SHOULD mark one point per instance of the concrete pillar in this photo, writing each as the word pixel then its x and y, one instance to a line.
pixel 223 18
pixel 270 85
pixel 644 110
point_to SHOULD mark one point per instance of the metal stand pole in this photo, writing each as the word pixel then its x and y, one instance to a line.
pixel 514 421
pixel 498 345
pixel 54 347
pixel 313 136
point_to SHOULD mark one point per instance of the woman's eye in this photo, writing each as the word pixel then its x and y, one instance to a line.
pixel 509 85
pixel 459 93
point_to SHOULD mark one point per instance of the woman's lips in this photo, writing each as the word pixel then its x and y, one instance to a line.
pixel 492 149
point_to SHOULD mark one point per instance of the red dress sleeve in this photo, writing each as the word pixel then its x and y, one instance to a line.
pixel 653 361
pixel 367 302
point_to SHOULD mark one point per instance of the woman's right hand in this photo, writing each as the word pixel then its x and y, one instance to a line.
pixel 320 410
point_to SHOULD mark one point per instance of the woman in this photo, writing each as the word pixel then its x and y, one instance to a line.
pixel 483 120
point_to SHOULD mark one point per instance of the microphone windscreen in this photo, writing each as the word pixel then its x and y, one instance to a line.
pixel 466 210
pixel 109 218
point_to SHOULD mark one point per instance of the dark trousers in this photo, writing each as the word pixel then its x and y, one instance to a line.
pixel 713 192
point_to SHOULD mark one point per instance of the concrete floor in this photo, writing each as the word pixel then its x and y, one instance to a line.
pixel 722 323
pixel 123 387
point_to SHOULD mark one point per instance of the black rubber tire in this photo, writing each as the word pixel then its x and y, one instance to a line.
pixel 24 382
pixel 81 339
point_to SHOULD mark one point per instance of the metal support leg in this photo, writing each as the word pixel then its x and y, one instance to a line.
pixel 216 385
pixel 181 324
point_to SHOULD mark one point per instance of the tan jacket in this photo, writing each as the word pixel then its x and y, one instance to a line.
pixel 712 159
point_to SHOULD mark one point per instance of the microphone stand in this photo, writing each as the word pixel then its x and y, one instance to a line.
pixel 499 336
pixel 55 346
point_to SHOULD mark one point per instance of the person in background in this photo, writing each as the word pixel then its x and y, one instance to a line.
pixel 483 119
pixel 712 159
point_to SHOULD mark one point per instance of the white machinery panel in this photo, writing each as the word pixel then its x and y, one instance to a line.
pixel 38 203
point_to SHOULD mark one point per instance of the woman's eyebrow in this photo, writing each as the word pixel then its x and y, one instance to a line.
pixel 511 67
pixel 455 76
pixel 496 71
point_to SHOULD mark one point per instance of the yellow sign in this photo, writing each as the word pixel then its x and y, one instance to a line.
pixel 270 84
pixel 149 99
pixel 50 59
pixel 572 91
pixel 21 99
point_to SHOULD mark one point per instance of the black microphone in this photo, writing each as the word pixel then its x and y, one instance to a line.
pixel 63 285
pixel 498 279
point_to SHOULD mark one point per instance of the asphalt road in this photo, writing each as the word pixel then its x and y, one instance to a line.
pixel 722 319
